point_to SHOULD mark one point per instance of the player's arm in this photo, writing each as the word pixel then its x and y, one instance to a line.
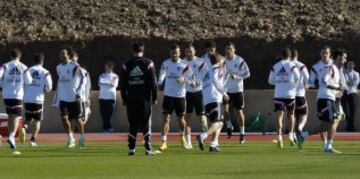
pixel 79 74
pixel 356 80
pixel 162 74
pixel 201 73
pixel 188 74
pixel 27 76
pixel 88 88
pixel 244 71
pixel 153 82
pixel 2 72
pixel 217 83
pixel 305 74
pixel 295 74
pixel 48 82
pixel 313 79
pixel 123 84
pixel 271 79
pixel 115 82
pixel 328 75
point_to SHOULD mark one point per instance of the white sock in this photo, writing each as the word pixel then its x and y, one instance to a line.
pixel 204 135
pixel 291 135
pixel 12 137
pixel 82 136
pixel 71 136
pixel 163 138
pixel 188 139
pixel 213 144
pixel 25 126
pixel 242 130
pixel 279 137
pixel 329 144
pixel 305 134
pixel 301 126
pixel 204 125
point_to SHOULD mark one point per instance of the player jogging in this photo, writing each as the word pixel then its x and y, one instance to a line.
pixel 214 92
pixel 194 96
pixel 175 73
pixel 237 70
pixel 284 75
pixel 34 98
pixel 14 75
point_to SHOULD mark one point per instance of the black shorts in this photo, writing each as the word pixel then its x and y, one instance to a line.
pixel 236 100
pixel 172 103
pixel 195 100
pixel 301 106
pixel 213 112
pixel 328 110
pixel 33 111
pixel 282 104
pixel 13 107
pixel 72 109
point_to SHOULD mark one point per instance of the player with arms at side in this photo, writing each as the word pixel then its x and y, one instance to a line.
pixel 14 75
pixel 214 93
pixel 34 98
pixel 175 73
pixel 284 75
pixel 237 71
pixel 68 98
pixel 194 96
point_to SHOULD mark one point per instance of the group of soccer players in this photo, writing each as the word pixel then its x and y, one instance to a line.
pixel 211 85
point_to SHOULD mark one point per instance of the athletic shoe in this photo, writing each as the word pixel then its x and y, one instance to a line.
pixel 150 152
pixel 214 149
pixel 229 129
pixel 332 151
pixel 81 142
pixel 15 152
pixel 300 141
pixel 183 141
pixel 242 139
pixel 11 144
pixel 292 142
pixel 163 146
pixel 22 135
pixel 70 143
pixel 189 146
pixel 131 153
pixel 33 144
pixel 200 141
pixel 280 144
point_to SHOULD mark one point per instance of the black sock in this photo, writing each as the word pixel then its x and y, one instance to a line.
pixel 32 139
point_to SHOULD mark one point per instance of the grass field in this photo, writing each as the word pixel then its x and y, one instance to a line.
pixel 252 160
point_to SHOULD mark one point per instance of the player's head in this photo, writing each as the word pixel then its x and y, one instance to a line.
pixel 340 56
pixel 214 58
pixel 15 54
pixel 39 58
pixel 230 49
pixel 294 54
pixel 175 52
pixel 64 55
pixel 138 48
pixel 350 65
pixel 325 53
pixel 286 54
pixel 210 47
pixel 109 66
pixel 190 51
pixel 73 54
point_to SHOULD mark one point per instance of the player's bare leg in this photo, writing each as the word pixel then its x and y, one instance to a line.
pixel 241 117
pixel 330 136
pixel 188 131
pixel 291 126
pixel 182 128
pixel 227 118
pixel 35 128
pixel 279 127
pixel 67 127
pixel 165 131
pixel 13 124
pixel 81 128
pixel 214 131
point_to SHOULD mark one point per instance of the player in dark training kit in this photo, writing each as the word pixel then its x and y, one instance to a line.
pixel 139 93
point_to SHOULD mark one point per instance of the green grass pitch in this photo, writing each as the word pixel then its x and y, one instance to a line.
pixel 252 160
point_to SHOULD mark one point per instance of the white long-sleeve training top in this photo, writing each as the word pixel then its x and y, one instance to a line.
pixel 316 71
pixel 352 81
pixel 71 81
pixel 198 68
pixel 108 82
pixel 303 82
pixel 13 76
pixel 42 81
pixel 331 83
pixel 237 70
pixel 170 71
pixel 214 85
pixel 284 75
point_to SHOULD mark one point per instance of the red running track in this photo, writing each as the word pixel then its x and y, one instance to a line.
pixel 122 137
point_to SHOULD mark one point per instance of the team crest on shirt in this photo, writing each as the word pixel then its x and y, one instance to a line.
pixel 35 75
pixel 14 71
pixel 282 72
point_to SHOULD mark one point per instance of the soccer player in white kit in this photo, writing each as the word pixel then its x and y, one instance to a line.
pixel 301 106
pixel 284 75
pixel 237 70
pixel 332 83
pixel 194 96
pixel 34 98
pixel 214 93
pixel 175 73
pixel 14 75
pixel 68 98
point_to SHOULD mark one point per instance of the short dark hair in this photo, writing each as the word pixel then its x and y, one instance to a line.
pixel 286 53
pixel 294 52
pixel 110 64
pixel 339 52
pixel 228 44
pixel 326 47
pixel 72 52
pixel 189 45
pixel 210 44
pixel 138 47
pixel 174 47
pixel 214 58
pixel 38 58
pixel 15 53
